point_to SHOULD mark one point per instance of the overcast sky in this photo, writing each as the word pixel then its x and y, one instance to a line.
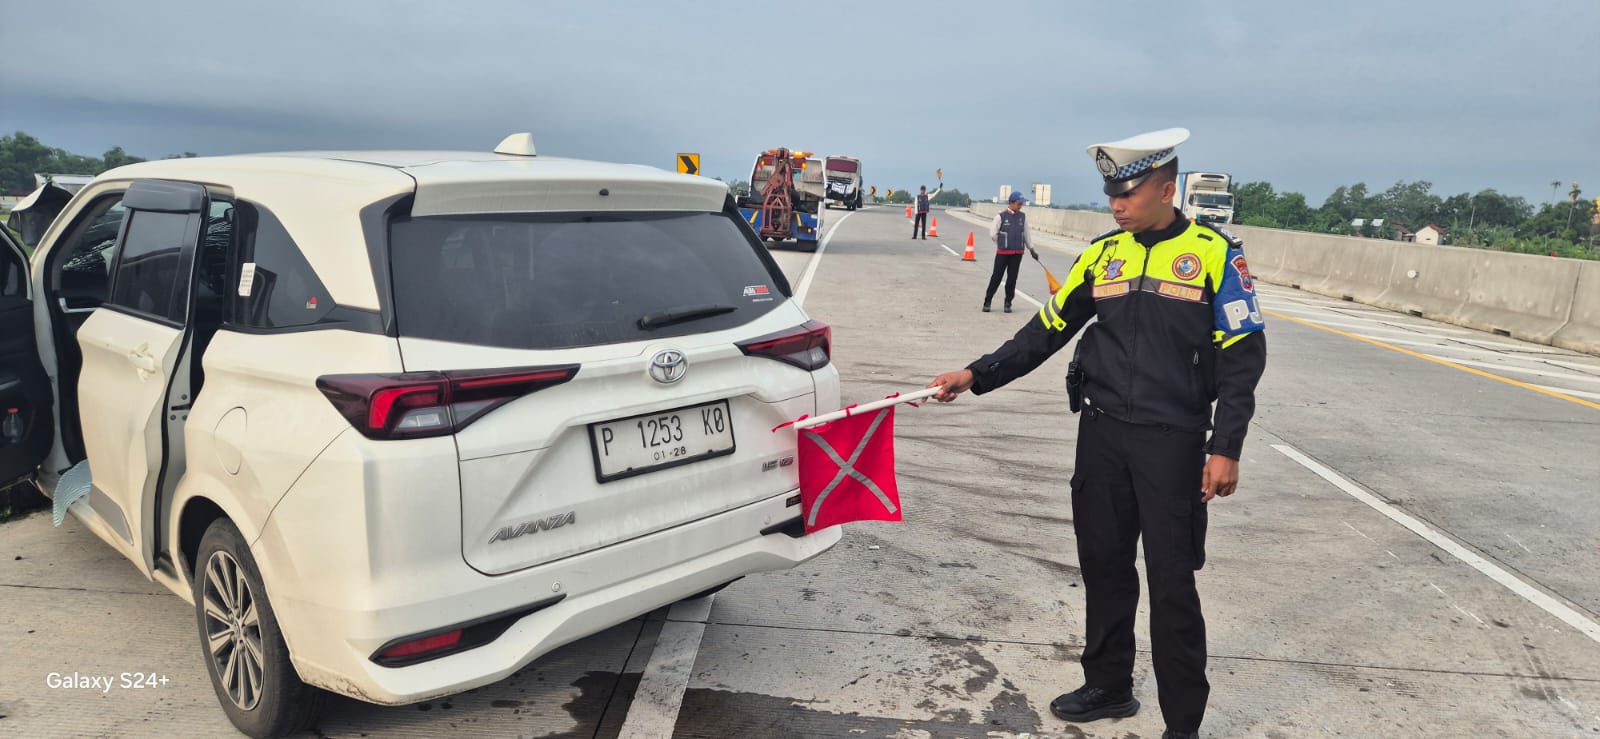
pixel 1305 95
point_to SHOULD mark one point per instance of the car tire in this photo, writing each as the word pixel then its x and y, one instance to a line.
pixel 231 601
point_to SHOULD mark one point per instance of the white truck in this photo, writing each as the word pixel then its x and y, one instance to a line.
pixel 844 182
pixel 1204 197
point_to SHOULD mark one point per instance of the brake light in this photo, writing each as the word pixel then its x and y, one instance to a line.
pixel 422 404
pixel 809 346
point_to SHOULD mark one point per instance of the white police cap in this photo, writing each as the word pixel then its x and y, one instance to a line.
pixel 1126 164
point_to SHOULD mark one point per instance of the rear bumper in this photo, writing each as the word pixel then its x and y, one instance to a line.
pixel 804 228
pixel 337 609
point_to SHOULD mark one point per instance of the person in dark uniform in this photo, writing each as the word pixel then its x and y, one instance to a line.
pixel 1178 330
pixel 1011 235
pixel 924 201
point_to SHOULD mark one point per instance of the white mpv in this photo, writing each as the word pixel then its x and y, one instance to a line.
pixel 398 423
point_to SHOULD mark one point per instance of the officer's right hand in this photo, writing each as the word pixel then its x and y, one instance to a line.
pixel 952 384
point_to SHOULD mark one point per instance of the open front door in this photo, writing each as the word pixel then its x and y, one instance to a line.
pixel 132 348
pixel 26 424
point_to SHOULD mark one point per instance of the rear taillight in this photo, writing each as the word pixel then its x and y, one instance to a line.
pixel 410 650
pixel 809 347
pixel 420 404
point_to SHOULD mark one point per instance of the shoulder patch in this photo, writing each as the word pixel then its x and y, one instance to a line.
pixel 1106 235
pixel 1226 235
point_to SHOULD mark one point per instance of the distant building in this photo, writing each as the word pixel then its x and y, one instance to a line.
pixel 1041 193
pixel 1431 234
pixel 1005 193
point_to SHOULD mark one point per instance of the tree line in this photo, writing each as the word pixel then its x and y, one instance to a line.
pixel 950 197
pixel 22 156
pixel 1562 226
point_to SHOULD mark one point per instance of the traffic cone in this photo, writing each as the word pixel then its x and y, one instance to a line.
pixel 933 228
pixel 971 254
pixel 908 210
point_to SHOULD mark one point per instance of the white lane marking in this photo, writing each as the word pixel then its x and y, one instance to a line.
pixel 1574 366
pixel 1469 613
pixel 948 249
pixel 1414 331
pixel 811 268
pixel 1064 244
pixel 1358 531
pixel 1575 393
pixel 1505 367
pixel 1533 351
pixel 1020 293
pixel 1576 620
pixel 654 711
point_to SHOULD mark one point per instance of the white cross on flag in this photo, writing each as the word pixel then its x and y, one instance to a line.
pixel 846 462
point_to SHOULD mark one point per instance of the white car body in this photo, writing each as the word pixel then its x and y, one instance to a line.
pixel 362 543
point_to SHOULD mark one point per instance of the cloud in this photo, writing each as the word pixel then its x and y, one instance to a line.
pixel 1306 96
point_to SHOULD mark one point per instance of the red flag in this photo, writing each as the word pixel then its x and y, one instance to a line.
pixel 847 471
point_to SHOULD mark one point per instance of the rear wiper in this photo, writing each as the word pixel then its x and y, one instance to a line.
pixel 680 315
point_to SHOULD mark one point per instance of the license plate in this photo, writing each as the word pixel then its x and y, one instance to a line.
pixel 656 441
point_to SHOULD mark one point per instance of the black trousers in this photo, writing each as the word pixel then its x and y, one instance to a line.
pixel 1008 265
pixel 920 223
pixel 1130 480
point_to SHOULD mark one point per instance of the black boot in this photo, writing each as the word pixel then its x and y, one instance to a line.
pixel 1008 307
pixel 1174 734
pixel 1092 704
pixel 986 307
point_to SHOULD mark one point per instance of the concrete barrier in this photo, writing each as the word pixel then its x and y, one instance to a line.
pixel 1539 299
pixel 1582 332
pixel 1430 282
pixel 1519 295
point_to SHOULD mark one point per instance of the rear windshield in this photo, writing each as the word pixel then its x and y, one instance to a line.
pixel 568 280
pixel 840 165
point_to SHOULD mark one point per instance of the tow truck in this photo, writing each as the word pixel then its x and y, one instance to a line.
pixel 785 201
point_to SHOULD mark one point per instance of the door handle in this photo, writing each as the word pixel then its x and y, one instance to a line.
pixel 68 308
pixel 143 360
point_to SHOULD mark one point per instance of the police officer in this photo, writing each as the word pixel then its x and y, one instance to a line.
pixel 1010 234
pixel 1178 329
pixel 924 201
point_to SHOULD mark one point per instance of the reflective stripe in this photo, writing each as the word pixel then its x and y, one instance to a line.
pixel 1176 290
pixel 1112 290
pixel 1230 341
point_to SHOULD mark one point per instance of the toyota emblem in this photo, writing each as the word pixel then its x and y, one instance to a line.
pixel 669 366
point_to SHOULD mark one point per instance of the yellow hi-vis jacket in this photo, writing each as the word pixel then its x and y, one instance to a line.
pixel 1178 328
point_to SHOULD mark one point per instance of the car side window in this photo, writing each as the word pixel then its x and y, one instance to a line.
pixel 150 276
pixel 84 278
pixel 275 286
